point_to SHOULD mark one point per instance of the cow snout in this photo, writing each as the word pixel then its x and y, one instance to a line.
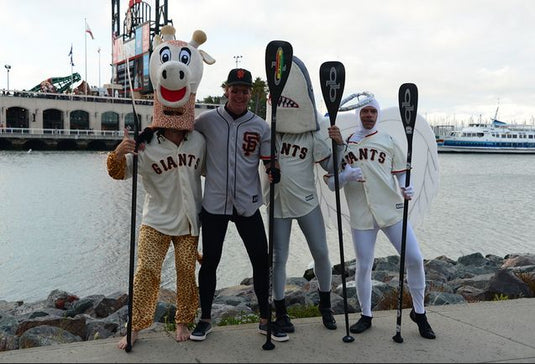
pixel 181 74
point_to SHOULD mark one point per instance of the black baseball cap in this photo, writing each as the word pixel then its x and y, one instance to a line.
pixel 239 76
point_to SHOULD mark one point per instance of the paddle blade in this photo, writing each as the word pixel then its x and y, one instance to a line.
pixel 408 107
pixel 332 80
pixel 279 56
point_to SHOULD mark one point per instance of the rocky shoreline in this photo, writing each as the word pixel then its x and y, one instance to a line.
pixel 64 317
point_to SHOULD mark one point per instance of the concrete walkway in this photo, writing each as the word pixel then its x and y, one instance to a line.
pixel 499 332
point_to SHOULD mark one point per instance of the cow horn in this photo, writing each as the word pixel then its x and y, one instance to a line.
pixel 198 38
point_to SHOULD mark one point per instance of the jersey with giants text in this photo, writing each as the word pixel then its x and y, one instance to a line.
pixel 378 198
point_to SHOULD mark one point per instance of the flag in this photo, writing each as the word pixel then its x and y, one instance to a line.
pixel 88 30
pixel 70 54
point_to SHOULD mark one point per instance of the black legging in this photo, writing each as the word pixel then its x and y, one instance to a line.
pixel 253 234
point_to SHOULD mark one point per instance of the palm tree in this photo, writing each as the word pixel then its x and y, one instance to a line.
pixel 259 97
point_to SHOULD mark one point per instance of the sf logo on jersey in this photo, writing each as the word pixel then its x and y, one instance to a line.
pixel 250 141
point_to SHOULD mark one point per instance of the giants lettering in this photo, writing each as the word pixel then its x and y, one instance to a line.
pixel 250 140
pixel 366 154
pixel 164 165
pixel 293 150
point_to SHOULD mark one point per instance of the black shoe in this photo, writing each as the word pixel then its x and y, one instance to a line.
pixel 363 324
pixel 276 333
pixel 328 318
pixel 423 326
pixel 284 324
pixel 202 329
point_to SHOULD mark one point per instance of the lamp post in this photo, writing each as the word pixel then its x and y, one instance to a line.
pixel 8 67
pixel 237 59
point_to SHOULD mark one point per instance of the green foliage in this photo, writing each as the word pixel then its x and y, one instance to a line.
pixel 169 324
pixel 295 311
pixel 212 100
pixel 501 297
pixel 259 97
pixel 241 318
pixel 298 311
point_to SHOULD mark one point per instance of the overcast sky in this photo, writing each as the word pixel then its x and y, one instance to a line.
pixel 466 57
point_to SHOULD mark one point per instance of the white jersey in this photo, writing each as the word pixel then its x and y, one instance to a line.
pixel 295 194
pixel 171 177
pixel 235 150
pixel 378 198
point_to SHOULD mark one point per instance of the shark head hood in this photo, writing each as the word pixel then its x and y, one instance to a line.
pixel 296 108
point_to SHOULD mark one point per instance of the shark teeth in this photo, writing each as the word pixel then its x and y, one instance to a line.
pixel 287 102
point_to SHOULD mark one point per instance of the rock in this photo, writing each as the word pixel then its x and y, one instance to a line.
pixel 516 260
pixel 64 317
pixel 444 298
pixel 165 312
pixel 76 325
pixel 46 335
pixel 506 283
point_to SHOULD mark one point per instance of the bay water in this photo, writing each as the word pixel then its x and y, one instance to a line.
pixel 65 224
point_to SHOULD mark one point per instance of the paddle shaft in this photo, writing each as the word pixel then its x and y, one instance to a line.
pixel 278 63
pixel 332 80
pixel 408 103
pixel 128 347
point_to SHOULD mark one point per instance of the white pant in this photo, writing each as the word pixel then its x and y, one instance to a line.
pixel 364 244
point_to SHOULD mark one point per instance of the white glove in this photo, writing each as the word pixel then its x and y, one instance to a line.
pixel 351 174
pixel 407 192
pixel 347 175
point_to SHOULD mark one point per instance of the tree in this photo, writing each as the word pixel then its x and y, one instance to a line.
pixel 259 97
pixel 212 100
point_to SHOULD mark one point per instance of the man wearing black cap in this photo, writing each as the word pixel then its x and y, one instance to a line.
pixel 236 141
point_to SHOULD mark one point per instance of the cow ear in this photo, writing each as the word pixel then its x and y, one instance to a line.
pixel 206 57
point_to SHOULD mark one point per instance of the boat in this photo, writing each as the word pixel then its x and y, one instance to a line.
pixel 494 137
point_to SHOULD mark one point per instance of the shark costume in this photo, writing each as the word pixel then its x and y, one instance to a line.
pixel 171 174
pixel 300 147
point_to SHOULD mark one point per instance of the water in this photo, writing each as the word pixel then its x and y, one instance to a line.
pixel 65 224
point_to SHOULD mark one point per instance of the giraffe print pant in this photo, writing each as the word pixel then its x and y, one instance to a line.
pixel 152 249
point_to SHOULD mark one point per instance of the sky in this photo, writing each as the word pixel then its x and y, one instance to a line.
pixel 469 58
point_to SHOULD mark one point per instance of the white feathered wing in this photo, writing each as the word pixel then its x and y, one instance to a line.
pixel 424 172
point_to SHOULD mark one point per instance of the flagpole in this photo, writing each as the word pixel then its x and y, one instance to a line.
pixel 72 78
pixel 99 67
pixel 85 36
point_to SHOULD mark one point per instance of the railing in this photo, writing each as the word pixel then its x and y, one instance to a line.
pixel 73 97
pixel 60 133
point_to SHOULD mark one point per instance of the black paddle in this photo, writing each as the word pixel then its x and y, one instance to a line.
pixel 132 224
pixel 332 80
pixel 279 56
pixel 408 105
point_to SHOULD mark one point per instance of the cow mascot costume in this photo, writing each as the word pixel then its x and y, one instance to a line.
pixel 171 160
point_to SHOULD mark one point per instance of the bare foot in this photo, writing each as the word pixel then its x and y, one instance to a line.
pixel 182 332
pixel 122 344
